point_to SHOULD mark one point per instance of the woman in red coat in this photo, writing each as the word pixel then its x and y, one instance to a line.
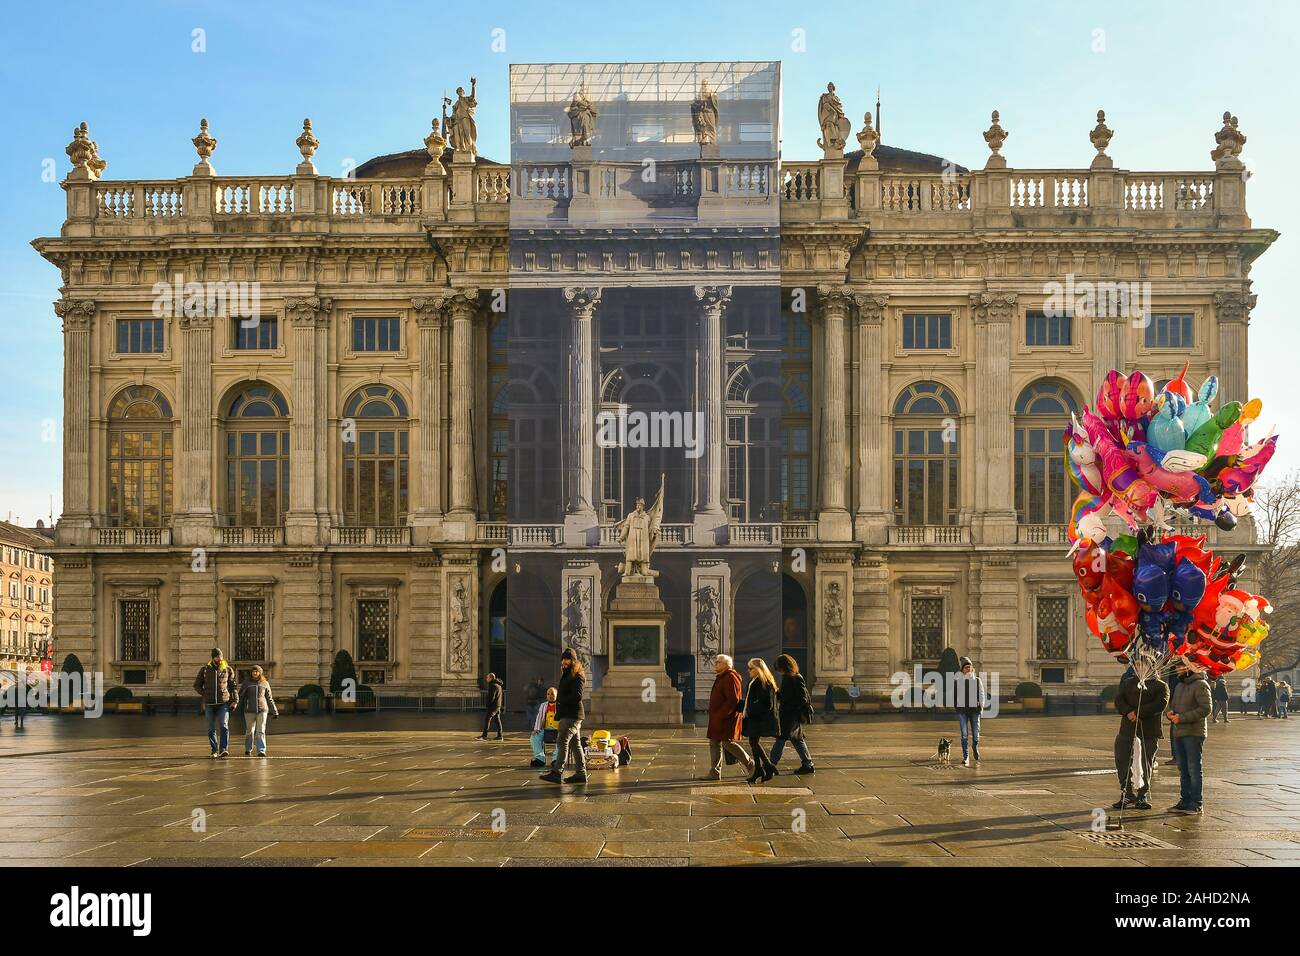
pixel 725 718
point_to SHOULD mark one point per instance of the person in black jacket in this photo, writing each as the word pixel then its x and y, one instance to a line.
pixel 1219 697
pixel 569 713
pixel 794 710
pixel 492 707
pixel 1140 709
pixel 760 717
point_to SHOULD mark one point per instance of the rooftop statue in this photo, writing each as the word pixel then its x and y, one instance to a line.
pixel 830 116
pixel 462 131
pixel 582 119
pixel 704 115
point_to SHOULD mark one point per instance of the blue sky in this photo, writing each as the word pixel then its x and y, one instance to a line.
pixel 371 76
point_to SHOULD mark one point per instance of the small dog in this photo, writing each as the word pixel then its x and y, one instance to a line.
pixel 944 753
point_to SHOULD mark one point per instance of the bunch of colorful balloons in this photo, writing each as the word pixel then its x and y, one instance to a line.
pixel 1143 456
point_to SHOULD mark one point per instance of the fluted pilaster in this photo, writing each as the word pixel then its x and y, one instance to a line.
pixel 78 317
pixel 1232 310
pixel 873 487
pixel 196 465
pixel 428 318
pixel 308 443
pixel 460 305
pixel 833 308
pixel 580 506
pixel 713 301
pixel 993 313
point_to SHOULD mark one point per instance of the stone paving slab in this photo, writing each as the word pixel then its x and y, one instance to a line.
pixel 123 791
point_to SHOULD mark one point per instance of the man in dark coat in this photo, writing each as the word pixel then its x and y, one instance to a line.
pixel 217 684
pixel 1189 709
pixel 569 714
pixel 1140 705
pixel 495 695
pixel 1219 695
pixel 725 701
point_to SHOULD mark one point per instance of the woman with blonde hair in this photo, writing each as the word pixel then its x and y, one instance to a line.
pixel 760 717
pixel 256 701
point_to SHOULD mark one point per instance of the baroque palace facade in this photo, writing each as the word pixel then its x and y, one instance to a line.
pixel 293 402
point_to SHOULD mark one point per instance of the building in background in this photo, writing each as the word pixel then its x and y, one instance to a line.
pixel 291 412
pixel 27 600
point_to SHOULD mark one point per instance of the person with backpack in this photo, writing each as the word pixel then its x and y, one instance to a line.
pixel 257 703
pixel 759 718
pixel 794 710
pixel 1219 695
pixel 545 725
pixel 492 705
pixel 217 685
pixel 569 713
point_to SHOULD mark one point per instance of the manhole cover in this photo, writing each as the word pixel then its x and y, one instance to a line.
pixel 1126 840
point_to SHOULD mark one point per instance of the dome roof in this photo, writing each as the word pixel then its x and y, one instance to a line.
pixel 407 165
pixel 894 159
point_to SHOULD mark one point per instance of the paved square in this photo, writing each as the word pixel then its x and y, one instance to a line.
pixel 127 791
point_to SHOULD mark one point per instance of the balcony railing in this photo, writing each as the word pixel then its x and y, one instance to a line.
pixel 1041 534
pixel 536 535
pixel 670 535
pixel 762 534
pixel 135 537
pixel 929 534
pixel 798 532
pixel 371 535
pixel 253 535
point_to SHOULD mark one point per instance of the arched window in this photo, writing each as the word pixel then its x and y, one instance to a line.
pixel 139 459
pixel 257 457
pixel 376 463
pixel 926 456
pixel 1044 491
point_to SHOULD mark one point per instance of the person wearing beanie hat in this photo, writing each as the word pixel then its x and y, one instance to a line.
pixel 1188 713
pixel 969 692
pixel 217 685
pixel 569 714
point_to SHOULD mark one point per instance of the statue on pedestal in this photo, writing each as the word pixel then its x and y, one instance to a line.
pixel 462 131
pixel 704 115
pixel 830 116
pixel 639 533
pixel 582 119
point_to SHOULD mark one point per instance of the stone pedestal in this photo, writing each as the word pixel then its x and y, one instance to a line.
pixel 636 691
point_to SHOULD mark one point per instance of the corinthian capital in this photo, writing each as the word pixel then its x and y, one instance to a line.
pixel 993 307
pixel 713 298
pixel 308 310
pixel 582 300
pixel 1233 306
pixel 871 307
pixel 428 310
pixel 459 302
pixel 835 299
pixel 77 314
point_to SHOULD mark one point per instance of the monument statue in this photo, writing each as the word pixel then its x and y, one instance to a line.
pixel 704 115
pixel 639 533
pixel 462 131
pixel 582 119
pixel 830 116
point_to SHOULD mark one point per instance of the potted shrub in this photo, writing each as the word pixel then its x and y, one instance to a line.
pixel 341 670
pixel 116 697
pixel 948 666
pixel 1030 694
pixel 67 703
pixel 309 698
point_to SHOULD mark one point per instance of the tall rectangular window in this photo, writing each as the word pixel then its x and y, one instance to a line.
pixel 1170 331
pixel 376 335
pixel 1044 329
pixel 250 629
pixel 133 625
pixel 372 630
pixel 927 331
pixel 927 628
pixel 263 336
pixel 1052 631
pixel 139 336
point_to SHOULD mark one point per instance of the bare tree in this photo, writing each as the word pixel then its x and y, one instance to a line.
pixel 1277 569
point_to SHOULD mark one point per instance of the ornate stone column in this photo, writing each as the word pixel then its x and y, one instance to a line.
pixel 1232 310
pixel 78 317
pixel 710 516
pixel 580 519
pixel 308 445
pixel 428 486
pixel 833 516
pixel 873 509
pixel 461 303
pixel 194 523
pixel 995 517
pixel 1108 335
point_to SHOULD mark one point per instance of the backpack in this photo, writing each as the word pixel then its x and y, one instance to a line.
pixel 624 751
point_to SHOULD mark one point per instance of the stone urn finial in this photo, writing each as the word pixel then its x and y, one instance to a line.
pixel 995 136
pixel 435 143
pixel 1230 140
pixel 868 138
pixel 84 153
pixel 1100 136
pixel 307 144
pixel 204 146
